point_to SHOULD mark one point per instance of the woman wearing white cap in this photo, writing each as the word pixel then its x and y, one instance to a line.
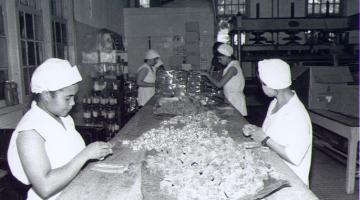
pixel 287 127
pixel 232 81
pixel 146 76
pixel 45 150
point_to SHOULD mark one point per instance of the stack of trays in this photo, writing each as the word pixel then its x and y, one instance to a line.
pixel 195 84
pixel 170 83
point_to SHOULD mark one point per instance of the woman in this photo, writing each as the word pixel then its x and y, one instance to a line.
pixel 232 81
pixel 216 67
pixel 45 150
pixel 146 76
pixel 287 127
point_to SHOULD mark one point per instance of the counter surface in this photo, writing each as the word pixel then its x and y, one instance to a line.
pixel 94 185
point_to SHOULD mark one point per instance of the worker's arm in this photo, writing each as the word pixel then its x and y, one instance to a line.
pixel 219 84
pixel 140 78
pixel 47 181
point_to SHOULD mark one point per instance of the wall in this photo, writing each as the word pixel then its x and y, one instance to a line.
pixel 91 16
pixel 160 25
pixel 99 14
pixel 352 8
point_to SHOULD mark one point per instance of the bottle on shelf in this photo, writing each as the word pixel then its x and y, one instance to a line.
pixel 125 71
pixel 87 115
pixel 9 99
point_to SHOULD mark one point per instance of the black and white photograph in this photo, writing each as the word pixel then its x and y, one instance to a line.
pixel 179 100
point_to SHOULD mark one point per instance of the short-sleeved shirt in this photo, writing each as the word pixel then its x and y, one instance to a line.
pixel 62 143
pixel 291 127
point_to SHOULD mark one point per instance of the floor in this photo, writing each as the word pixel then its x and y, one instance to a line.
pixel 327 179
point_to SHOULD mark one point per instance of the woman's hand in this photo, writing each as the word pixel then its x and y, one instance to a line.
pixel 256 133
pixel 98 150
pixel 248 129
pixel 204 74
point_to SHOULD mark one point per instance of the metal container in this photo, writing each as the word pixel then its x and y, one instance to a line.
pixel 171 83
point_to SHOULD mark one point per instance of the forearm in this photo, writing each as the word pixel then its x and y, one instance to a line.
pixel 279 149
pixel 57 179
pixel 215 82
pixel 145 84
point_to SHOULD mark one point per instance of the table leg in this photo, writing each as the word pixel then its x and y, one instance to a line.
pixel 351 160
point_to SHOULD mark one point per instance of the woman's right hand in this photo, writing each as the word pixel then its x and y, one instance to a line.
pixel 204 74
pixel 248 129
pixel 98 150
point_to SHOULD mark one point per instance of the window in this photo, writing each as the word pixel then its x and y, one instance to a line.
pixel 59 30
pixel 323 7
pixel 144 3
pixel 31 38
pixel 4 74
pixel 231 7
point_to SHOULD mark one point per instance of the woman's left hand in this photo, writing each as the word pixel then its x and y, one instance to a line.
pixel 258 135
pixel 204 74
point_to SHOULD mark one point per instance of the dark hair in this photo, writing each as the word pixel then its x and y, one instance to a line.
pixel 37 96
pixel 215 47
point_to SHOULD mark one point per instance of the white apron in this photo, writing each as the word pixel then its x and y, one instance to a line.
pixel 145 93
pixel 233 89
pixel 61 144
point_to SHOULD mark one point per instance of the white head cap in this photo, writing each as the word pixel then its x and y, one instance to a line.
pixel 151 54
pixel 159 63
pixel 275 73
pixel 54 74
pixel 225 50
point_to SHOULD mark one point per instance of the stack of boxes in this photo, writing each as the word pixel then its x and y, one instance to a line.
pixel 192 45
pixel 329 88
pixel 187 55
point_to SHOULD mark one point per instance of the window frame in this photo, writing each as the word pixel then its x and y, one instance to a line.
pixel 58 17
pixel 38 43
pixel 239 4
pixel 144 4
pixel 4 36
pixel 321 5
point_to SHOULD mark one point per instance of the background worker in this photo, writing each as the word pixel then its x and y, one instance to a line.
pixel 232 81
pixel 146 76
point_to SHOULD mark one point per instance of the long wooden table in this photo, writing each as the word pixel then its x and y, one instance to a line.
pixel 93 185
pixel 347 127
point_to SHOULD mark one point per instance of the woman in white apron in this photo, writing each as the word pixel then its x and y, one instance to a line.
pixel 232 81
pixel 146 76
pixel 287 128
pixel 45 150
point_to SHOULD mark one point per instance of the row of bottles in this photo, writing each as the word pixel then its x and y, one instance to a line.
pixel 102 106
pixel 112 69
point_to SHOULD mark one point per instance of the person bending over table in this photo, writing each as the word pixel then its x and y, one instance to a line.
pixel 287 127
pixel 45 150
pixel 232 81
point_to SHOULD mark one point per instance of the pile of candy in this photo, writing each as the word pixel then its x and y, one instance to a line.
pixel 199 163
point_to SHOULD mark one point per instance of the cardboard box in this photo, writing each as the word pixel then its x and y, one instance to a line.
pixel 192 37
pixel 192 27
pixel 317 85
pixel 192 49
pixel 186 67
pixel 175 62
pixel 331 75
pixel 194 60
pixel 345 100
